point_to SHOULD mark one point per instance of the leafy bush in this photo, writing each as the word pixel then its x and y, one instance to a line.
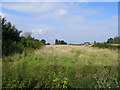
pixel 105 45
pixel 30 42
pixel 115 40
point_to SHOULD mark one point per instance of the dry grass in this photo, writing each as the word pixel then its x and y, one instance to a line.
pixel 61 66
pixel 83 54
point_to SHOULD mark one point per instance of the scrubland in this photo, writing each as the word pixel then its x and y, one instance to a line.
pixel 62 66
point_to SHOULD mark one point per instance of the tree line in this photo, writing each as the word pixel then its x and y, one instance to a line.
pixel 110 44
pixel 115 40
pixel 60 42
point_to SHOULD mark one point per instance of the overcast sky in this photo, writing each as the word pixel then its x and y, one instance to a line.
pixel 70 21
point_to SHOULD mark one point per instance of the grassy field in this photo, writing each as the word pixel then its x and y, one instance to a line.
pixel 62 66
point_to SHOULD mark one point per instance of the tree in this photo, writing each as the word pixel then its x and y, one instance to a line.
pixel 43 41
pixel 9 31
pixel 60 42
pixel 56 41
pixel 94 42
pixel 10 38
pixel 110 40
pixel 63 42
pixel 117 40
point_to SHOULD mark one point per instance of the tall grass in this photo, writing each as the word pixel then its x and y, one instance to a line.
pixel 62 67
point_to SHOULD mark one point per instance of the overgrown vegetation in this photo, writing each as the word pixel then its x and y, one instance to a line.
pixel 112 43
pixel 12 42
pixel 106 45
pixel 115 40
pixel 62 67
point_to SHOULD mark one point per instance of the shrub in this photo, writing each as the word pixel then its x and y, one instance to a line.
pixel 105 45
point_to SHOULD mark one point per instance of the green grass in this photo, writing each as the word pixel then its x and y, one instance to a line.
pixel 62 67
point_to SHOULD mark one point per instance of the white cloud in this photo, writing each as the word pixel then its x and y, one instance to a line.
pixel 41 30
pixel 68 15
pixel 62 12
pixel 37 31
pixel 50 7
pixel 29 7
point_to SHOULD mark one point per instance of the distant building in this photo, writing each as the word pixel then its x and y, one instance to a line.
pixel 87 43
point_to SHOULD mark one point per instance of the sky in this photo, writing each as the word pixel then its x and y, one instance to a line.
pixel 74 22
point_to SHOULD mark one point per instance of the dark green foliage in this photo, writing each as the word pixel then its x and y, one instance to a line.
pixel 105 45
pixel 56 41
pixel 94 42
pixel 60 42
pixel 110 44
pixel 86 43
pixel 10 38
pixel 110 40
pixel 30 42
pixel 115 40
pixel 75 44
pixel 10 47
pixel 9 31
pixel 12 42
pixel 43 41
